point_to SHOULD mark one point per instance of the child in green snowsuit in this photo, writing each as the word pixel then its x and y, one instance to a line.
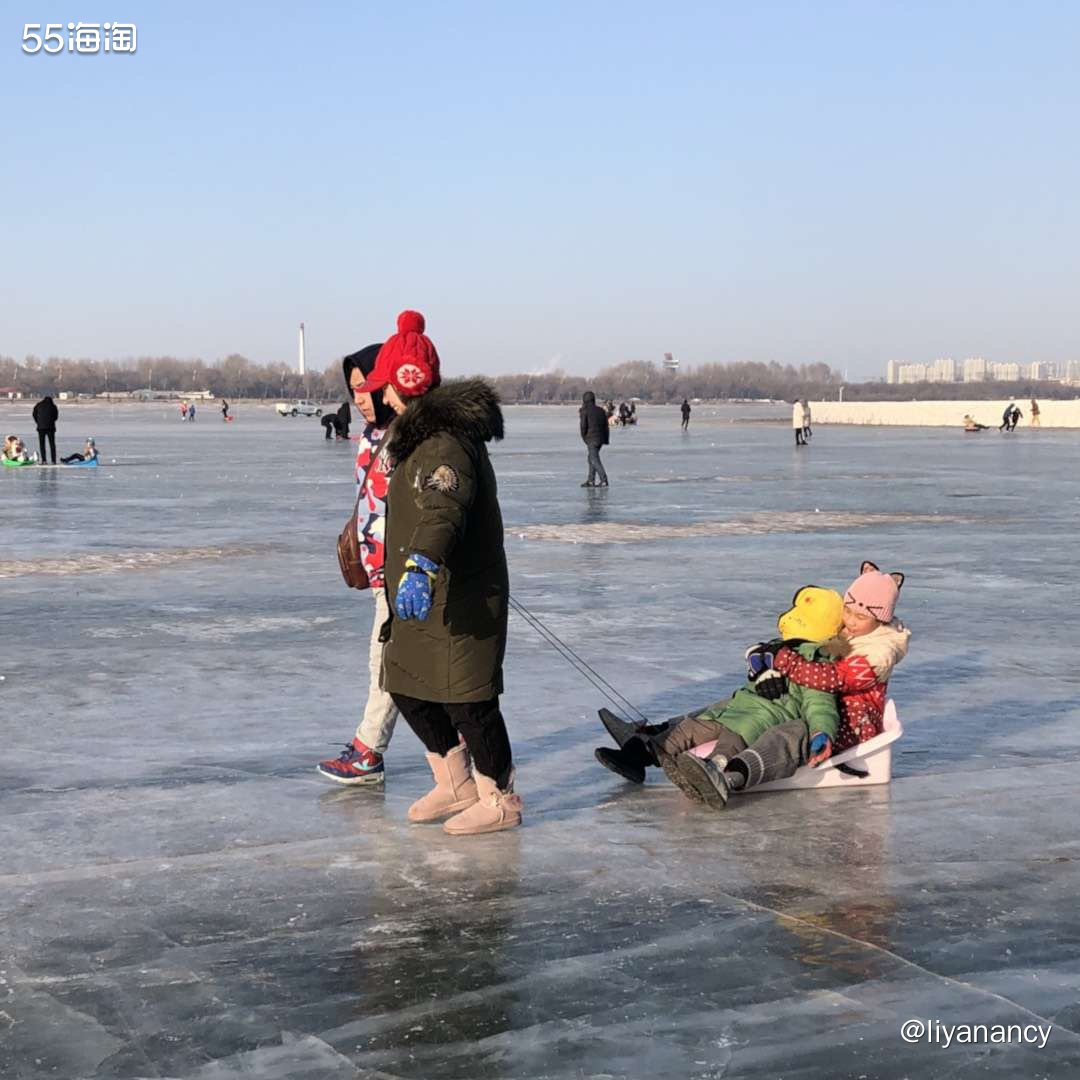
pixel 746 715
pixel 736 722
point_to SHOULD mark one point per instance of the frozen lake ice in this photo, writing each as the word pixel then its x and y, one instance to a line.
pixel 182 897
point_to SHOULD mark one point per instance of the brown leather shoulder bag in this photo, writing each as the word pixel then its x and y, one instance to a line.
pixel 349 546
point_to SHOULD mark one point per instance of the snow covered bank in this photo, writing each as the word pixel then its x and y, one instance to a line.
pixel 1060 414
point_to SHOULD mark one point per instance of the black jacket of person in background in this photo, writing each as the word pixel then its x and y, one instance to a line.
pixel 595 430
pixel 46 414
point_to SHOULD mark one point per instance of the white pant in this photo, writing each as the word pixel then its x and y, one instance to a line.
pixel 380 713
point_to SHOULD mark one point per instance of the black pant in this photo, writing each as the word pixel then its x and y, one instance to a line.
pixel 480 724
pixel 798 436
pixel 72 457
pixel 41 437
pixel 595 468
pixel 685 422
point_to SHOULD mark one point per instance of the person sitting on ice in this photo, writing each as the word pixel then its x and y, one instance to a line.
pixel 971 424
pixel 855 666
pixel 89 453
pixel 15 450
pixel 816 615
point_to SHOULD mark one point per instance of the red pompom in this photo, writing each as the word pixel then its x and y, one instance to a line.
pixel 410 322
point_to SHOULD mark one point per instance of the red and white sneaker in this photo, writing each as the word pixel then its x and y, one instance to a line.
pixel 358 764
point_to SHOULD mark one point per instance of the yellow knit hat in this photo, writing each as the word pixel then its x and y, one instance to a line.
pixel 815 614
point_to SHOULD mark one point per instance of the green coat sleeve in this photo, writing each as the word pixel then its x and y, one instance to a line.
pixel 443 486
pixel 820 712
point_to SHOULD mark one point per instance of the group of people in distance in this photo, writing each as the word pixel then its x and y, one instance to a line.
pixel 337 424
pixel 1009 418
pixel 188 410
pixel 45 417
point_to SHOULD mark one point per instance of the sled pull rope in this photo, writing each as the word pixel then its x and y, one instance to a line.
pixel 575 661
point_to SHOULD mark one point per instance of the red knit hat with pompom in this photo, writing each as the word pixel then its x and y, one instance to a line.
pixel 407 361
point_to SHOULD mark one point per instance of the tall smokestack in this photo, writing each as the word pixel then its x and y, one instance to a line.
pixel 303 366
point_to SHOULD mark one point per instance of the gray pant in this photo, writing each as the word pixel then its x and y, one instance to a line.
pixel 775 755
pixel 596 469
pixel 686 732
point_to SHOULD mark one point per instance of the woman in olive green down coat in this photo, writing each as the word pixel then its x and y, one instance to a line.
pixel 446 582
pixel 443 504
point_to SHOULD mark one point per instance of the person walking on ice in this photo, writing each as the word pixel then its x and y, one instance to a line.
pixel 685 414
pixel 797 422
pixel 595 432
pixel 447 583
pixel 362 760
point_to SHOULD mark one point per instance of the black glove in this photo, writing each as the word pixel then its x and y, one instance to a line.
pixel 771 685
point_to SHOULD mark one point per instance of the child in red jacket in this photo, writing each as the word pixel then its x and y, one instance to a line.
pixel 870 645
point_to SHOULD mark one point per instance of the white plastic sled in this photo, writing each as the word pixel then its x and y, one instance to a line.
pixel 868 763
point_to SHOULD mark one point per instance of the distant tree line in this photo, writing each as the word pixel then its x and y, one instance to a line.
pixel 653 383
pixel 968 391
pixel 750 381
pixel 235 376
pixel 238 377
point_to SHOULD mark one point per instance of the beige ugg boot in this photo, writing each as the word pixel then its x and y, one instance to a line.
pixel 454 788
pixel 493 811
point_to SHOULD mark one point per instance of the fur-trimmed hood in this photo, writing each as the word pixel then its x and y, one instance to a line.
pixel 882 648
pixel 466 408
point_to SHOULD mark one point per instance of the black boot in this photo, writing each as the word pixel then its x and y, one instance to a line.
pixel 619 729
pixel 622 731
pixel 630 762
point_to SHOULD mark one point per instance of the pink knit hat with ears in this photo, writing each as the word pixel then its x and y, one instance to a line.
pixel 874 593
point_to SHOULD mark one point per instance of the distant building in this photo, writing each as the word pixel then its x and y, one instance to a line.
pixel 670 363
pixel 1005 372
pixel 913 373
pixel 9 393
pixel 943 370
pixel 975 369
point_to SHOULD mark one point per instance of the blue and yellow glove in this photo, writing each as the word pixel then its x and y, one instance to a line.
pixel 820 748
pixel 413 600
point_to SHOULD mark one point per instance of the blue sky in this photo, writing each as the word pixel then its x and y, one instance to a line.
pixel 549 183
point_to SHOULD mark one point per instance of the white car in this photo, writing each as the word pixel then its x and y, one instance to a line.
pixel 295 408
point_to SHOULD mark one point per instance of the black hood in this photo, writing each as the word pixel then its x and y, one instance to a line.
pixel 365 361
pixel 588 398
pixel 466 408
